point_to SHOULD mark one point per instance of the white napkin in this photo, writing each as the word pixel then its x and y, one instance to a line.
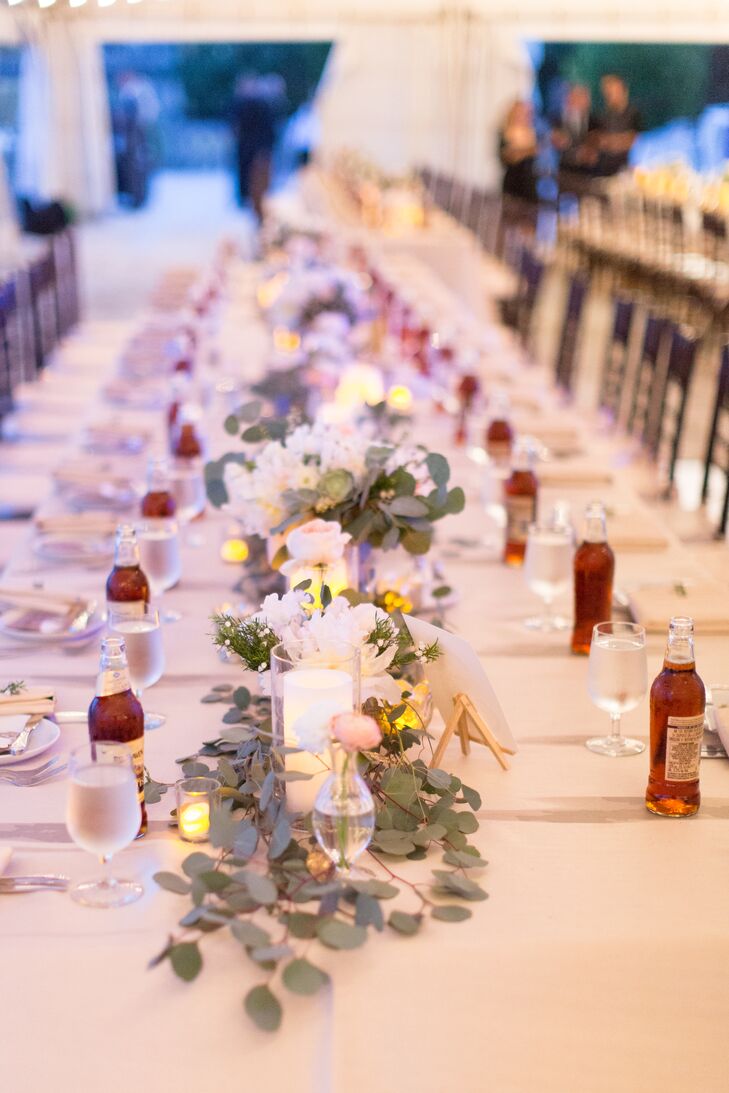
pixel 32 700
pixel 78 523
pixel 5 856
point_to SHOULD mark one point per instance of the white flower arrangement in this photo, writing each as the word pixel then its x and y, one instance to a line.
pixel 325 636
pixel 311 292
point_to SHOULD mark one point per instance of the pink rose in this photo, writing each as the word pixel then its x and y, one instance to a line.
pixel 355 731
pixel 317 542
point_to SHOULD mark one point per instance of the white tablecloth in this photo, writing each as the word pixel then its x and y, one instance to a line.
pixel 596 966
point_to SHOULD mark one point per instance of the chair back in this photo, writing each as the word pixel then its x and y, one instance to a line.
pixel 616 357
pixel 652 357
pixel 664 425
pixel 567 353
pixel 717 450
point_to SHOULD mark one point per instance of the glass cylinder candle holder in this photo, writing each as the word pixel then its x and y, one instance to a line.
pixel 197 800
pixel 337 576
pixel 306 683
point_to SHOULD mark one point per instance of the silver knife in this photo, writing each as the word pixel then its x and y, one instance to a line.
pixel 20 743
pixel 51 883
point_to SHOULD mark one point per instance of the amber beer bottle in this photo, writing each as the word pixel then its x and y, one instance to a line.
pixel 127 587
pixel 594 569
pixel 116 714
pixel 500 433
pixel 678 701
pixel 158 502
pixel 520 501
pixel 187 444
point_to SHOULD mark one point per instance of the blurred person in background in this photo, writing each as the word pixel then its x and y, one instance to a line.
pixel 518 147
pixel 134 118
pixel 615 128
pixel 254 128
pixel 570 139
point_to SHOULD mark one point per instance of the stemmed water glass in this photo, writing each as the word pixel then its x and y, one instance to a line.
pixel 159 547
pixel 188 487
pixel 142 635
pixel 103 815
pixel 617 679
pixel 548 570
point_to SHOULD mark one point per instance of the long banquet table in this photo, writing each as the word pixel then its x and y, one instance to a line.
pixel 597 964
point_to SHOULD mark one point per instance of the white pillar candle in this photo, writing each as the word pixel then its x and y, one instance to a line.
pixel 304 688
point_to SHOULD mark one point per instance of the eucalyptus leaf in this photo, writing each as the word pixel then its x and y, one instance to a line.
pixel 405 923
pixel 267 788
pixel 263 1008
pixel 464 860
pixel 472 797
pixel 336 934
pixel 301 977
pixel 451 912
pixel 232 716
pixel 367 912
pixel 186 960
pixel 467 823
pixel 280 838
pixel 171 882
pixel 408 506
pixel 214 880
pixel 458 885
pixel 197 863
pixel 429 833
pixel 242 698
pixel 438 468
pixel 262 889
pixel 439 779
pixel 380 889
pixel 246 841
pixel 249 934
pixel 268 954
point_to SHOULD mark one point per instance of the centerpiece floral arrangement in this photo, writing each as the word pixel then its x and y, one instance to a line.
pixel 307 293
pixel 279 889
pixel 380 494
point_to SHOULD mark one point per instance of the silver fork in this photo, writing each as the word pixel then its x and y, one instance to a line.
pixel 33 775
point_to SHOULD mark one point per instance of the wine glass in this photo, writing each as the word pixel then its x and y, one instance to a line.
pixel 103 815
pixel 548 570
pixel 617 678
pixel 159 547
pixel 188 488
pixel 142 635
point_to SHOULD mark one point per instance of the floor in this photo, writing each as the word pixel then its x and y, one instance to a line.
pixel 187 214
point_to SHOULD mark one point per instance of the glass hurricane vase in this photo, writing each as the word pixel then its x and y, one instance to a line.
pixel 344 813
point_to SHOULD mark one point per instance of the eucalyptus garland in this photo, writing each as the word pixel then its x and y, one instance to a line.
pixel 277 894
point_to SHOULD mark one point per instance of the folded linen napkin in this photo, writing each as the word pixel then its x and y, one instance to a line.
pixel 5 856
pixel 38 599
pixel 33 700
pixel 80 523
pixel 635 531
pixel 573 475
pixel 22 492
pixel 82 474
pixel 560 439
pixel 653 606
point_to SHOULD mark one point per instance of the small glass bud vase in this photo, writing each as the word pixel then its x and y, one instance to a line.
pixel 344 812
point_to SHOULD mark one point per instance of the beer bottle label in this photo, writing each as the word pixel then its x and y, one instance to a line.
pixel 683 748
pixel 520 513
pixel 130 609
pixel 136 749
pixel 112 681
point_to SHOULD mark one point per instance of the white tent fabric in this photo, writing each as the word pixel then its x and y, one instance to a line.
pixel 64 147
pixel 410 81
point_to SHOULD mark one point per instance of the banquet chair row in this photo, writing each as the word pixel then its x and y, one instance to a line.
pixel 39 305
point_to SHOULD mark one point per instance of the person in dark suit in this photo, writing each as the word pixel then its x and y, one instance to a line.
pixel 616 127
pixel 518 148
pixel 254 127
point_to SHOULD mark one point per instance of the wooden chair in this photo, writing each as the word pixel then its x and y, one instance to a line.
pixel 664 426
pixel 616 358
pixel 567 353
pixel 43 298
pixel 717 451
pixel 15 365
pixel 517 310
pixel 67 288
pixel 652 358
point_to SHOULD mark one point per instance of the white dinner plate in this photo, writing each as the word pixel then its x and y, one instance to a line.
pixel 86 549
pixel 48 627
pixel 43 737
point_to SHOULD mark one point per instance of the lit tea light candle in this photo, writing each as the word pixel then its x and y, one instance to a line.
pixel 305 689
pixel 194 821
pixel 286 341
pixel 334 576
pixel 268 292
pixel 234 551
pixel 196 798
pixel 361 384
pixel 400 399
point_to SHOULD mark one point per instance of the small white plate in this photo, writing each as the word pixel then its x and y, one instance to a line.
pixel 43 737
pixel 85 549
pixel 49 631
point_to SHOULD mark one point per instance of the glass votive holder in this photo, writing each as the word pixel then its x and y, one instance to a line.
pixel 197 799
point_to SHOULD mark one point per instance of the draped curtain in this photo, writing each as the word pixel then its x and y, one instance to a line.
pixel 64 144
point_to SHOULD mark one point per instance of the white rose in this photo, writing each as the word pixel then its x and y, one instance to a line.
pixel 318 542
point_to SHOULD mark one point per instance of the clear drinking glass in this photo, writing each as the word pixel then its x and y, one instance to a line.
pixel 548 571
pixel 188 488
pixel 617 679
pixel 145 653
pixel 159 549
pixel 103 815
pixel 310 684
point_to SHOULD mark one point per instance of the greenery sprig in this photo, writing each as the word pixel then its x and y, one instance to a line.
pixel 276 894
